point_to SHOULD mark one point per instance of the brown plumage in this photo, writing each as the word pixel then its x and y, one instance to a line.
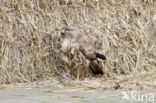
pixel 78 53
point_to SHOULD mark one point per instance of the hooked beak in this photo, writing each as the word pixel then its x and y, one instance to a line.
pixel 62 32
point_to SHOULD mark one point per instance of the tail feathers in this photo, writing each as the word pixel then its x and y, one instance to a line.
pixel 101 56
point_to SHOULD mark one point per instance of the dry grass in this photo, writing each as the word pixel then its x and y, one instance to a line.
pixel 123 30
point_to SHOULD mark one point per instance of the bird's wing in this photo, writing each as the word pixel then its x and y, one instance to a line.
pixel 86 48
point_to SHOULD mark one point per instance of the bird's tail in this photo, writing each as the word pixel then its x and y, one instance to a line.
pixel 101 56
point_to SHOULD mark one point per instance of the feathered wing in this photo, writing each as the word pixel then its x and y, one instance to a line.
pixel 86 48
pixel 89 52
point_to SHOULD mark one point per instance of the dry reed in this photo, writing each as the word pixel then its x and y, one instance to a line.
pixel 123 30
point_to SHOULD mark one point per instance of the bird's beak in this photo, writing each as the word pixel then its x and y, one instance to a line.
pixel 62 32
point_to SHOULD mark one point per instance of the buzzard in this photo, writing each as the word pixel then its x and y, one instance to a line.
pixel 78 54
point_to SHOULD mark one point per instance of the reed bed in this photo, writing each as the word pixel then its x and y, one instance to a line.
pixel 123 30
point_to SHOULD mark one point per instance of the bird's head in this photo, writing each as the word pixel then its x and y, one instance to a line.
pixel 67 32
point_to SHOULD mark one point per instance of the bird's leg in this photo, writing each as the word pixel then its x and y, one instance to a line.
pixel 78 75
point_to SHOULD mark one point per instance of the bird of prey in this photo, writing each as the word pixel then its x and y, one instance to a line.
pixel 79 55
